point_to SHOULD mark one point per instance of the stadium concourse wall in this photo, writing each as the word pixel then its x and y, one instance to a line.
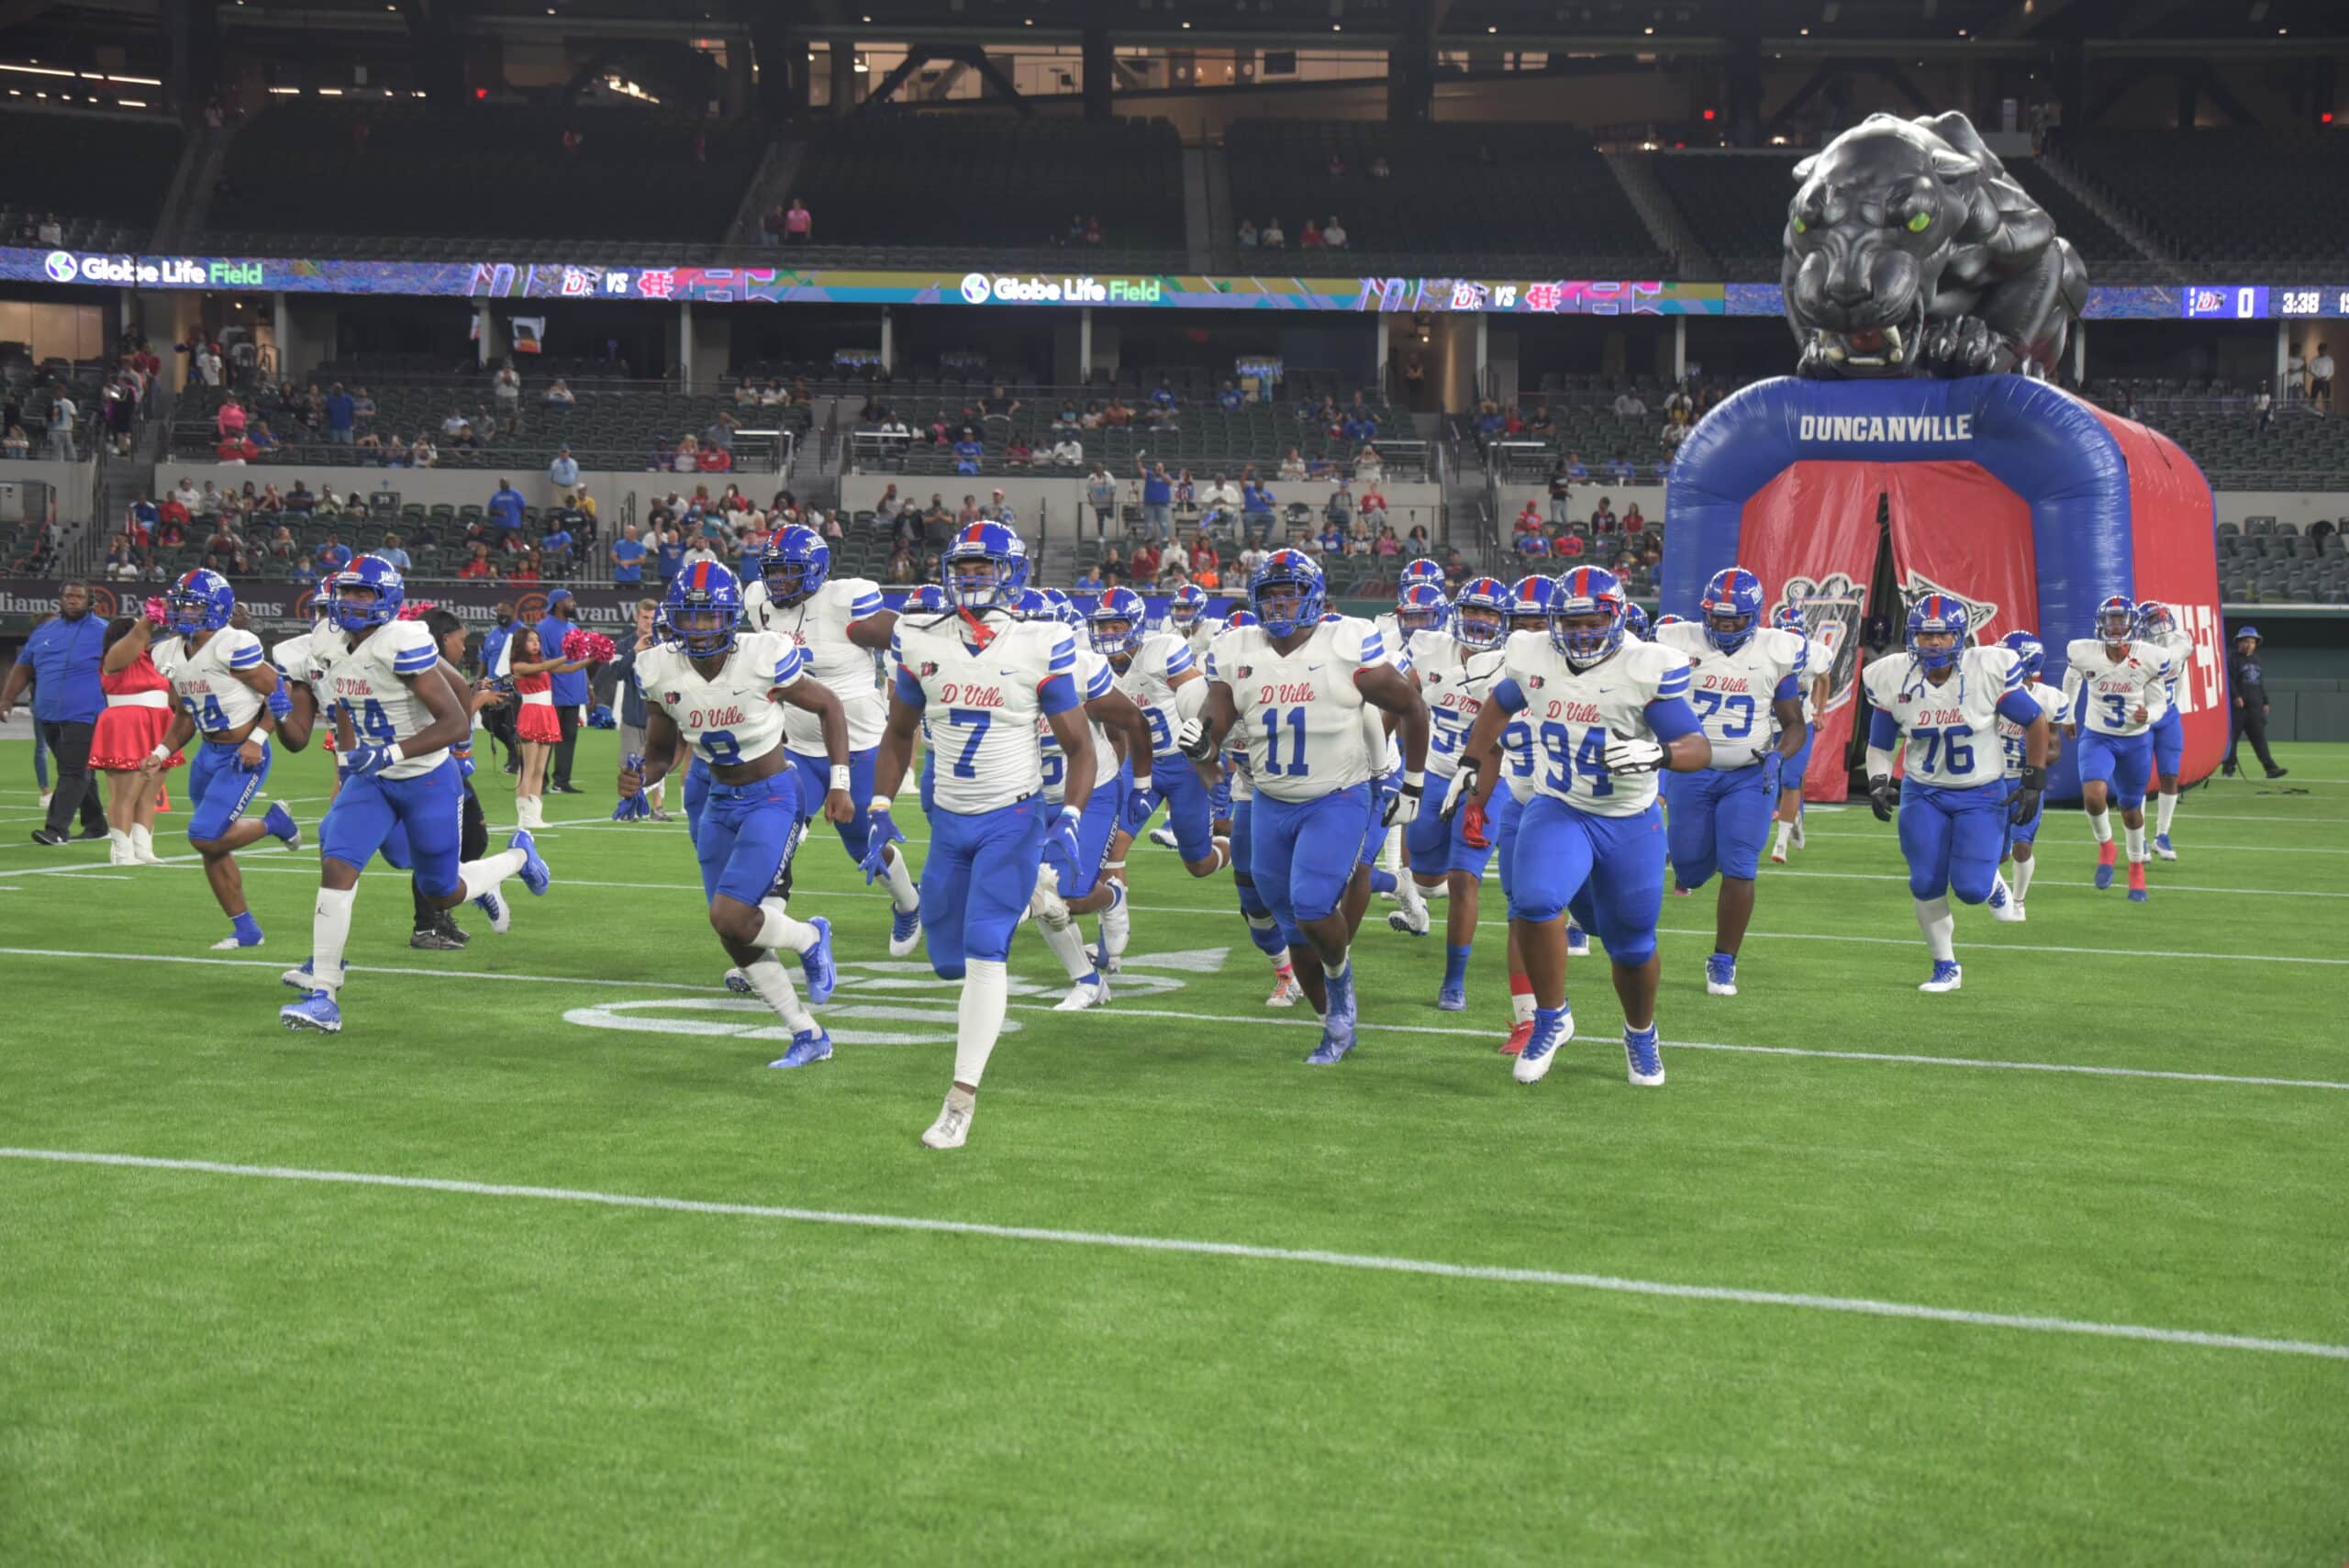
pixel 1060 504
pixel 613 489
pixel 70 484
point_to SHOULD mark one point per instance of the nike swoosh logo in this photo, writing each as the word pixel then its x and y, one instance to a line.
pixel 1310 668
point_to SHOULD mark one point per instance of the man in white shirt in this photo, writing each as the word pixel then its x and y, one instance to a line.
pixel 2320 378
pixel 1630 406
pixel 1333 235
pixel 1068 451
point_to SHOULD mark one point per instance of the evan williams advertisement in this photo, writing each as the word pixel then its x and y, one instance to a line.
pixel 603 607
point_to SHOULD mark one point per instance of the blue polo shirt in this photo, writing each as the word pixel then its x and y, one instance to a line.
pixel 672 560
pixel 571 686
pixel 628 561
pixel 64 655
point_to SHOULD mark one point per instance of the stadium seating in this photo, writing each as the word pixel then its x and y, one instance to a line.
pixel 2226 198
pixel 1735 205
pixel 1466 198
pixel 103 175
pixel 301 180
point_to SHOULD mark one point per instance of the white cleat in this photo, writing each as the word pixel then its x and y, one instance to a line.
pixel 739 984
pixel 1092 991
pixel 1411 920
pixel 1164 838
pixel 1117 928
pixel 1777 855
pixel 230 944
pixel 2021 913
pixel 1287 992
pixel 1797 832
pixel 1537 1056
pixel 950 1130
pixel 1947 976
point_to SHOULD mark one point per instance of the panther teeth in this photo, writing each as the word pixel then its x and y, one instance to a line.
pixel 1892 336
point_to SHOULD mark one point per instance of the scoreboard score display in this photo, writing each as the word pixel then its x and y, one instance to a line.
pixel 2260 301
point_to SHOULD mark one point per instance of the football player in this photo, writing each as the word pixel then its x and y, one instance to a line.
pixel 1294 686
pixel 1818 681
pixel 723 691
pixel 1745 683
pixel 1154 670
pixel 2022 833
pixel 1263 929
pixel 1946 698
pixel 839 624
pixel 1421 608
pixel 1187 617
pixel 2116 688
pixel 395 718
pixel 228 694
pixel 2158 626
pixel 984 678
pixel 1607 713
pixel 1394 858
pixel 1454 669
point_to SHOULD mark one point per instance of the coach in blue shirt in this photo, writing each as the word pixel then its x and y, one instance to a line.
pixel 60 661
pixel 570 688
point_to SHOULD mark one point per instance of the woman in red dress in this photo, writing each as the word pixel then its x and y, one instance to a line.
pixel 138 711
pixel 535 725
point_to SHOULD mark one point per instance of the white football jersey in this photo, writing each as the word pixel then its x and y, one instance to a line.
pixel 1453 679
pixel 2178 648
pixel 1149 679
pixel 1198 639
pixel 1093 679
pixel 2052 702
pixel 206 681
pixel 372 678
pixel 2106 691
pixel 1953 728
pixel 730 718
pixel 295 660
pixel 819 624
pixel 983 704
pixel 1817 663
pixel 1301 713
pixel 1386 745
pixel 1571 712
pixel 1731 693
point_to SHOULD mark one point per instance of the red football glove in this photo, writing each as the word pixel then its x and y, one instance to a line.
pixel 1472 827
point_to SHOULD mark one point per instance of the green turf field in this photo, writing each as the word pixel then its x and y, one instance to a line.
pixel 1649 1338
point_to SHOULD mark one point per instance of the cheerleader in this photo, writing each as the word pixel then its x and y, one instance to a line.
pixel 138 711
pixel 535 725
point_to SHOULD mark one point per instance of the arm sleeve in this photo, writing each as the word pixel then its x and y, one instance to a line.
pixel 909 690
pixel 1671 716
pixel 1058 693
pixel 1884 730
pixel 2018 706
pixel 1788 690
pixel 1508 697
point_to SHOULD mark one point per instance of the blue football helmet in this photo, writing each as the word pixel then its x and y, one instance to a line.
pixel 985 566
pixel 367 593
pixel 1029 604
pixel 201 601
pixel 2154 620
pixel 1420 570
pixel 1583 592
pixel 1661 621
pixel 2116 619
pixel 1733 595
pixel 1937 613
pixel 2033 653
pixel 704 609
pixel 1190 603
pixel 795 564
pixel 1239 619
pixel 1422 608
pixel 1285 572
pixel 928 599
pixel 1529 599
pixel 1635 622
pixel 1115 622
pixel 1790 619
pixel 1480 612
pixel 1059 606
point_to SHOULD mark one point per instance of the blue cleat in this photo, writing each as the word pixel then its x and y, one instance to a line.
pixel 807 1047
pixel 1948 974
pixel 1330 1051
pixel 1578 941
pixel 314 1011
pixel 739 983
pixel 1721 974
pixel 280 824
pixel 1640 1054
pixel 1451 999
pixel 1337 1026
pixel 2162 848
pixel 1551 1030
pixel 501 915
pixel 534 873
pixel 823 975
pixel 905 931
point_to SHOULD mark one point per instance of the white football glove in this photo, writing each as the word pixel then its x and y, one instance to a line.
pixel 1192 740
pixel 1463 785
pixel 1625 755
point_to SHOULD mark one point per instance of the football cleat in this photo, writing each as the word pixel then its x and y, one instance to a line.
pixel 1641 1056
pixel 1287 992
pixel 280 825
pixel 950 1130
pixel 1337 1026
pixel 2161 850
pixel 2136 881
pixel 1451 999
pixel 1517 1036
pixel 905 931
pixel 1163 837
pixel 1092 991
pixel 739 983
pixel 434 940
pixel 1411 920
pixel 807 1047
pixel 2021 913
pixel 2105 860
pixel 2002 902
pixel 301 978
pixel 1680 892
pixel 314 1011
pixel 1578 941
pixel 1948 974
pixel 234 940
pixel 1777 854
pixel 1540 1048
pixel 534 873
pixel 1721 974
pixel 1797 830
pixel 500 913
pixel 816 964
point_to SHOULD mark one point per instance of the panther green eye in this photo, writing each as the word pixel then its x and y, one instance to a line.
pixel 1801 227
pixel 1922 222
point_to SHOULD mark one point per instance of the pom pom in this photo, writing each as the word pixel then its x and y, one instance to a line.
pixel 592 646
pixel 158 612
pixel 415 609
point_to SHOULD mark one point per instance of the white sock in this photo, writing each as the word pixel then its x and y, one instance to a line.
pixel 1222 854
pixel 2100 824
pixel 1390 853
pixel 1786 836
pixel 2023 877
pixel 1933 919
pixel 2136 837
pixel 482 876
pixel 1067 942
pixel 330 934
pixel 1521 1006
pixel 778 932
pixel 2164 807
pixel 773 982
pixel 986 993
pixel 902 896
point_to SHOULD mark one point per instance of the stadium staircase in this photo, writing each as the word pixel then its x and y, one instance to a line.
pixel 2057 168
pixel 769 187
pixel 1202 173
pixel 1636 173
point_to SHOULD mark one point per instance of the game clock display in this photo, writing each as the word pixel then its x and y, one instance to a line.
pixel 2258 301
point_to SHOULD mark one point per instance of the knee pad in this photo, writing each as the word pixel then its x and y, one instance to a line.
pixel 1971 888
pixel 947 971
pixel 1631 955
pixel 1926 888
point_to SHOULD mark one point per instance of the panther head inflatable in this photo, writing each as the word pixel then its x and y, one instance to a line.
pixel 1911 251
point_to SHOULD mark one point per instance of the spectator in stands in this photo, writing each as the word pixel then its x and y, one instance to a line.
pixel 1292 470
pixel 1310 240
pixel 720 433
pixel 1093 232
pixel 1618 470
pixel 395 450
pixel 1205 564
pixel 1089 580
pixel 235 452
pixel 1143 564
pixel 1017 453
pixel 1222 499
pixel 1456 569
pixel 1676 431
pixel 1372 503
pixel 560 396
pixel 1068 451
pixel 669 555
pixel 1678 401
pixel 1157 501
pixel 564 469
pixel 713 459
pixel 999 404
pixel 300 500
pixel 390 551
pixel 342 413
pixel 16 444
pixel 1369 467
pixel 1360 425
pixel 1333 235
pixel 328 504
pixel 1068 419
pixel 1576 473
pixel 423 454
pixel 1113 562
pixel 1332 537
pixel 1560 490
pixel 333 555
pixel 1162 395
pixel 466 439
pixel 207 364
pixel 1629 404
pixel 1337 167
pixel 555 546
pixel 1116 416
pixel 1339 508
pixel 1567 546
pixel 903 566
pixel 1231 399
pixel 969 452
pixel 1529 521
pixel 1534 545
pixel 1602 518
pixel 1247 235
pixel 1378 170
pixel 260 437
pixel 770 226
pixel 1271 238
pixel 798 223
pixel 2320 377
pixel 1101 494
pixel 524 567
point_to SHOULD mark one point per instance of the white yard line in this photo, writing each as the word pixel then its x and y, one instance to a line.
pixel 2159 880
pixel 1549 1279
